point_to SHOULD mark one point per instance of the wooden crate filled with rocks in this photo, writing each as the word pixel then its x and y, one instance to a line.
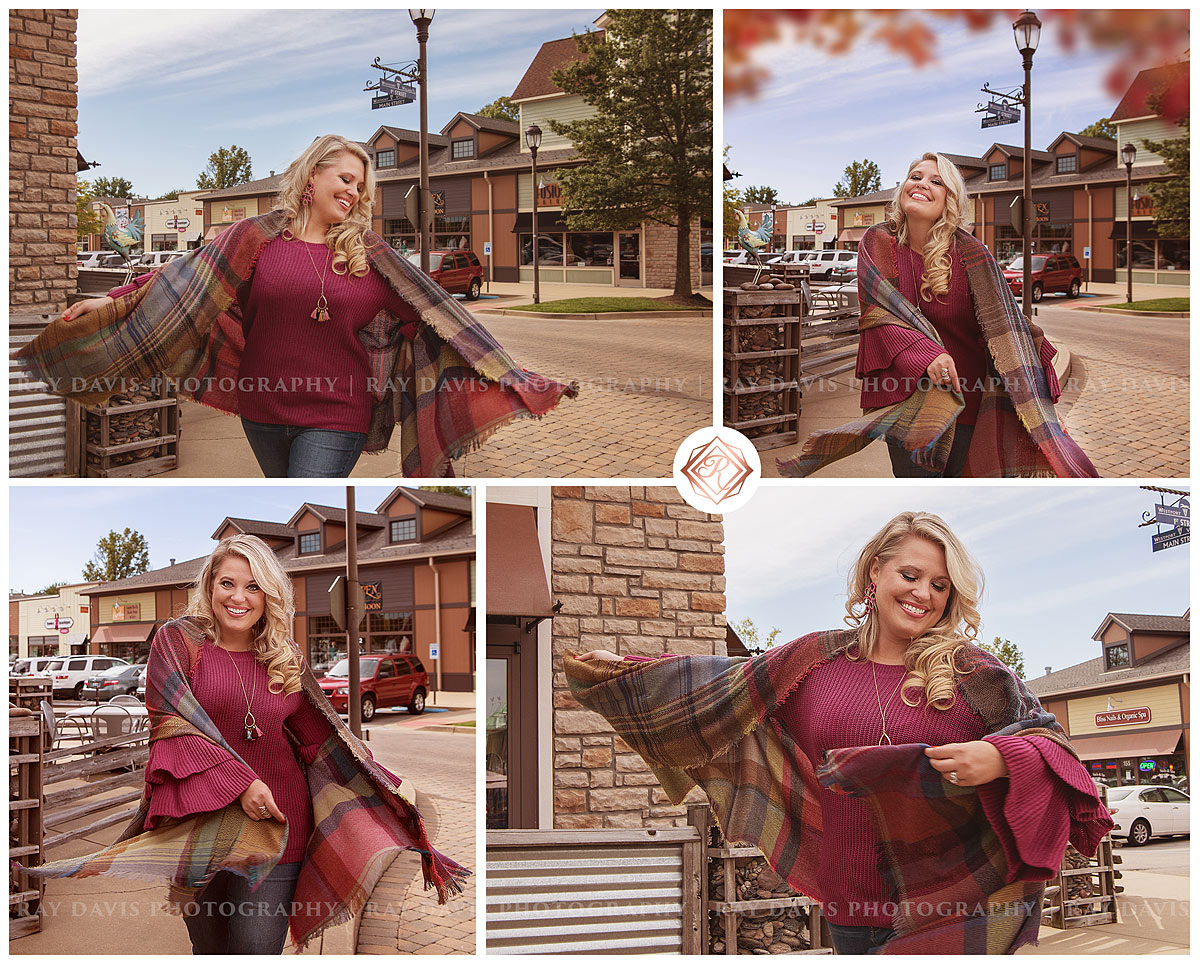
pixel 135 434
pixel 1084 893
pixel 750 909
pixel 762 361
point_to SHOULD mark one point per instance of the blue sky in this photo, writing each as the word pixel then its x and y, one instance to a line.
pixel 819 112
pixel 1055 558
pixel 53 530
pixel 161 90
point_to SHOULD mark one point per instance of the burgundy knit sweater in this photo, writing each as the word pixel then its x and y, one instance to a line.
pixel 836 707
pixel 188 775
pixel 892 359
pixel 296 371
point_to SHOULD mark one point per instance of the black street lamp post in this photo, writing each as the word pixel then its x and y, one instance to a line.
pixel 1026 31
pixel 421 20
pixel 1128 155
pixel 533 138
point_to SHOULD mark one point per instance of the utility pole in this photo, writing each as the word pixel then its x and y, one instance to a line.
pixel 354 615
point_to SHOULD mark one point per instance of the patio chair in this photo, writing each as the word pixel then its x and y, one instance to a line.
pixel 130 699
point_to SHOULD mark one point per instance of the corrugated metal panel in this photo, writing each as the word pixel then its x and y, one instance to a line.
pixel 622 895
pixel 37 421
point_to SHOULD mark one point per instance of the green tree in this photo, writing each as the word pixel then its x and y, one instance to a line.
pixel 87 222
pixel 649 145
pixel 1172 204
pixel 758 194
pixel 52 588
pixel 747 630
pixel 117 556
pixel 456 490
pixel 1103 128
pixel 226 167
pixel 732 201
pixel 859 178
pixel 1009 653
pixel 112 188
pixel 502 108
pixel 172 195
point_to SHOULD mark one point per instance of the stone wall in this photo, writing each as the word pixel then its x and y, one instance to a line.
pixel 638 571
pixel 42 149
pixel 659 242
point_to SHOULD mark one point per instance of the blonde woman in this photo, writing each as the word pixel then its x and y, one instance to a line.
pixel 954 379
pixel 896 772
pixel 308 325
pixel 261 810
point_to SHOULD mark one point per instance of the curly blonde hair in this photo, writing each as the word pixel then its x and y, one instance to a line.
pixel 931 660
pixel 273 645
pixel 346 238
pixel 937 244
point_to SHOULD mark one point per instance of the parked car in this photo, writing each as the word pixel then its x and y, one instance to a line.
pixel 734 256
pixel 793 257
pixel 1048 273
pixel 70 673
pixel 846 269
pixel 384 680
pixel 156 259
pixel 108 684
pixel 821 265
pixel 32 666
pixel 141 683
pixel 113 260
pixel 457 272
pixel 1144 811
pixel 90 259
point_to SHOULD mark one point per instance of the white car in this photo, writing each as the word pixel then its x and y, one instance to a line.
pixel 70 673
pixel 32 666
pixel 89 259
pixel 793 257
pixel 157 259
pixel 1144 811
pixel 823 264
pixel 734 256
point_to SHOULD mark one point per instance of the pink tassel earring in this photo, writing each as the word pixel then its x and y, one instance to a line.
pixel 307 197
pixel 869 598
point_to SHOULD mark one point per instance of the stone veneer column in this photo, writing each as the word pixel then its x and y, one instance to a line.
pixel 638 571
pixel 42 77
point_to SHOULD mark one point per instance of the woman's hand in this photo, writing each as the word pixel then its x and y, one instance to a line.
pixel 943 372
pixel 255 798
pixel 973 762
pixel 598 656
pixel 87 305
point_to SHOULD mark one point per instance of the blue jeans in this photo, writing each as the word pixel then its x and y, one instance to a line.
pixel 858 940
pixel 292 451
pixel 903 467
pixel 231 920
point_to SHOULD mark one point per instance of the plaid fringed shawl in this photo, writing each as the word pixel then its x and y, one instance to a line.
pixel 448 388
pixel 1017 432
pixel 709 722
pixel 360 819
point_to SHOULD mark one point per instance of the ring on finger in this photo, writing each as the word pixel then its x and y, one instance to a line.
pixel 263 811
pixel 953 778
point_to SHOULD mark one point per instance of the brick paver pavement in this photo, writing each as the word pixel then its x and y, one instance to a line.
pixel 1127 400
pixel 402 917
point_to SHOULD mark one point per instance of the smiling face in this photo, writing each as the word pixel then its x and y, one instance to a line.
pixel 237 601
pixel 336 187
pixel 912 589
pixel 924 194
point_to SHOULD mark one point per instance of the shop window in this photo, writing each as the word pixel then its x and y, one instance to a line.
pixel 1143 255
pixel 1174 255
pixel 1116 656
pixel 390 633
pixel 386 159
pixel 459 150
pixel 404 530
pixel 590 249
pixel 998 172
pixel 550 249
pixel 14 642
pixel 310 542
pixel 1066 163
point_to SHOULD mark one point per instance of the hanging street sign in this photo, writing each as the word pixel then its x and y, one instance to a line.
pixel 1171 538
pixel 1010 113
pixel 390 100
pixel 995 120
pixel 1174 516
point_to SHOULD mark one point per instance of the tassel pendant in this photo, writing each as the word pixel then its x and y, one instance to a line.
pixel 253 733
pixel 321 312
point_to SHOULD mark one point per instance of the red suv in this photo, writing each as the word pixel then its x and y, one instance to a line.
pixel 1048 272
pixel 384 680
pixel 457 272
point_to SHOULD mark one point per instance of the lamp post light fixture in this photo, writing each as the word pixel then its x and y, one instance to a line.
pixel 421 20
pixel 533 138
pixel 1027 30
pixel 1129 155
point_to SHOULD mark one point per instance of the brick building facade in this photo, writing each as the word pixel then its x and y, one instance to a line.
pixel 42 131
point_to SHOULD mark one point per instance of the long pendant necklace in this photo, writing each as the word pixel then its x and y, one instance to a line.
pixel 884 738
pixel 321 312
pixel 252 730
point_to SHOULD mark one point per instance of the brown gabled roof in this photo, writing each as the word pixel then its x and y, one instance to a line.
pixel 263 186
pixel 552 55
pixel 874 198
pixel 964 160
pixel 1091 674
pixel 496 125
pixel 259 528
pixel 337 514
pixel 508 156
pixel 432 498
pixel 1048 177
pixel 180 573
pixel 1148 623
pixel 1018 151
pixel 1173 78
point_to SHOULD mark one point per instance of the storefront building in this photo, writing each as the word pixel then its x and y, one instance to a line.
pixel 416 560
pixel 856 215
pixel 48 625
pixel 1127 711
pixel 174 225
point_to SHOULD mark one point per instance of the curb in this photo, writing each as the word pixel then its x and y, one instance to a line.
pixel 1123 311
pixel 591 316
pixel 452 729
